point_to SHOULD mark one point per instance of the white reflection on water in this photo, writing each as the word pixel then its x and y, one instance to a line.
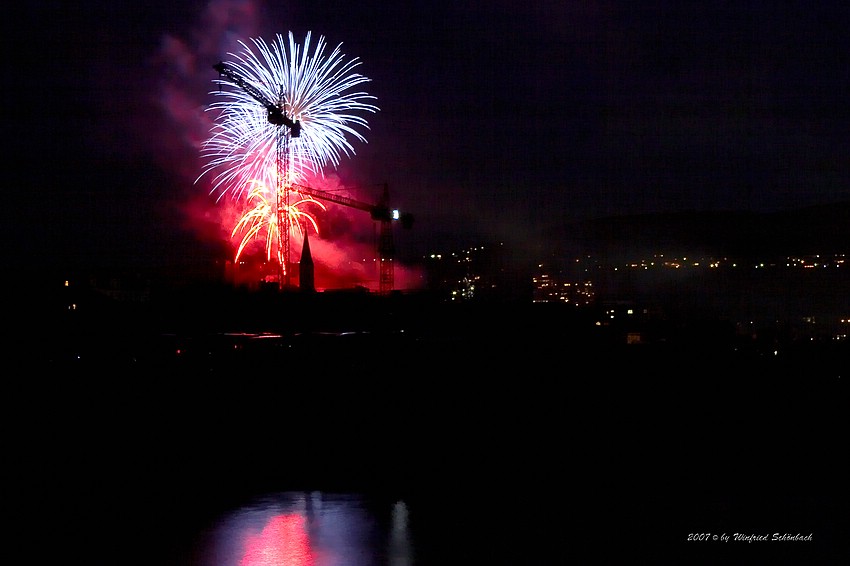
pixel 400 552
pixel 310 529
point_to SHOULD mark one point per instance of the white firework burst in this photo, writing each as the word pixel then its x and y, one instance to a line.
pixel 314 88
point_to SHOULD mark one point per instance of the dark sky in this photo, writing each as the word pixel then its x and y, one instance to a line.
pixel 498 120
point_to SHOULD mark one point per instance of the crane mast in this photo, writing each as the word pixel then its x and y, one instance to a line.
pixel 276 116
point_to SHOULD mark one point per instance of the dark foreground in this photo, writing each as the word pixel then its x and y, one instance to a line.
pixel 643 444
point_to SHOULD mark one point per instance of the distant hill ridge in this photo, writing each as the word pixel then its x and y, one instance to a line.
pixel 815 229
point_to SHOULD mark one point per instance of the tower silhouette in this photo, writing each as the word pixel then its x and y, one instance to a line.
pixel 306 276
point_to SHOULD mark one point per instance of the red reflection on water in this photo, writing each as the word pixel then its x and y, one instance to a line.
pixel 283 542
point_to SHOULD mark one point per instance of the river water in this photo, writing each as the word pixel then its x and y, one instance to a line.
pixel 309 528
pixel 345 456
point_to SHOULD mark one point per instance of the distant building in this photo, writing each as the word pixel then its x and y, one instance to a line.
pixel 555 287
pixel 476 274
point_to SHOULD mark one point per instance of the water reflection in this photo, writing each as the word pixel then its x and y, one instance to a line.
pixel 400 553
pixel 283 540
pixel 310 529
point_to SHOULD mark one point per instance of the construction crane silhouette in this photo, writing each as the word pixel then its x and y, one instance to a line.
pixel 379 212
pixel 277 116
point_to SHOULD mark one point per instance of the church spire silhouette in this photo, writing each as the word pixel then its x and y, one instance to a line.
pixel 306 276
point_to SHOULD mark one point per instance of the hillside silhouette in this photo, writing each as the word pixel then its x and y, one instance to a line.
pixel 817 229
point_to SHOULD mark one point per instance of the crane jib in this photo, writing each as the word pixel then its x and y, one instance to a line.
pixel 276 114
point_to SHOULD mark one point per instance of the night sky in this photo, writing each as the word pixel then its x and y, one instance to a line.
pixel 498 120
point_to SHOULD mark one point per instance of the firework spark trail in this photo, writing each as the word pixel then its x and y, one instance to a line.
pixel 264 215
pixel 314 89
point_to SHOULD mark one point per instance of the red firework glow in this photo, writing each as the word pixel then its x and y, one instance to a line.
pixel 343 240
